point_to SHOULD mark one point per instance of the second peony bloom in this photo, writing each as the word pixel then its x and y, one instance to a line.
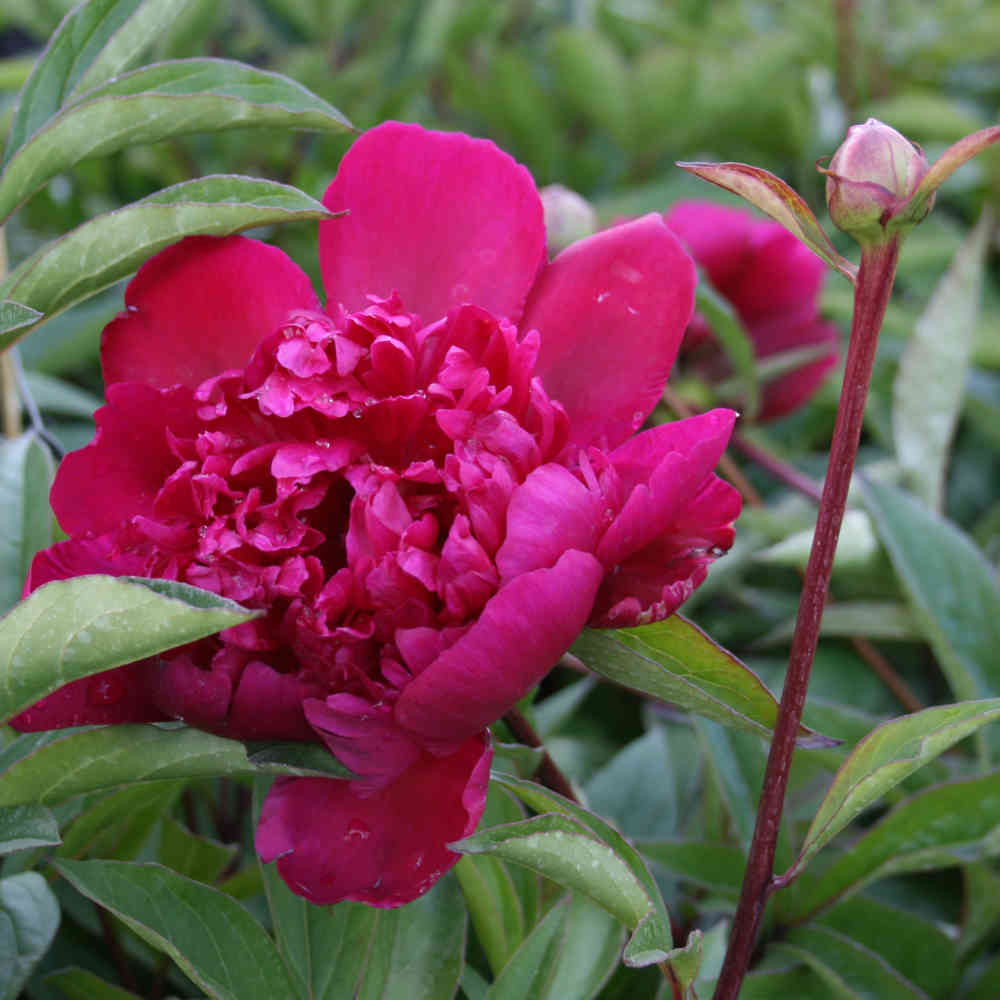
pixel 430 486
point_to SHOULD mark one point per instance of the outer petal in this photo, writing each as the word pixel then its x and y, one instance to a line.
pixel 441 218
pixel 519 636
pixel 115 696
pixel 612 310
pixel 661 470
pixel 120 472
pixel 199 307
pixel 653 582
pixel 332 843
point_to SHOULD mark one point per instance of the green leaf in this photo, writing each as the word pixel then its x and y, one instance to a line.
pixel 14 316
pixel 70 629
pixel 210 936
pixel 418 949
pixel 299 759
pixel 735 342
pixel 111 246
pixel 570 953
pixel 82 984
pixel 773 196
pixel 948 825
pixel 917 948
pixel 738 790
pixel 884 758
pixel 159 102
pixel 71 50
pixel 930 383
pixel 851 970
pixel 716 867
pixel 118 825
pixel 198 858
pixel 26 826
pixel 582 852
pixel 676 662
pixel 29 919
pixel 980 905
pixel 72 762
pixel 53 395
pixel 857 547
pixel 26 471
pixel 951 587
pixel 494 907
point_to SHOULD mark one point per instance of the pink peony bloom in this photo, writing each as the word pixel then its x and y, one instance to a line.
pixel 772 282
pixel 431 486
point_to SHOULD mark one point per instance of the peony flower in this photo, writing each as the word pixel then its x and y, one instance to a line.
pixel 430 485
pixel 772 282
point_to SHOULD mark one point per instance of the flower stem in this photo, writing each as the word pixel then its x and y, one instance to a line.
pixel 9 400
pixel 548 774
pixel 875 279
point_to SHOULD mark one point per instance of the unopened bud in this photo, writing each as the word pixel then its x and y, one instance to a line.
pixel 568 217
pixel 871 178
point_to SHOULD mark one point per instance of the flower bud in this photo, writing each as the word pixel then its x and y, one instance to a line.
pixel 568 217
pixel 870 178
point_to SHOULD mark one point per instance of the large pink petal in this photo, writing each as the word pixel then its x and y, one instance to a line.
pixel 120 472
pixel 611 311
pixel 332 843
pixel 110 698
pixel 199 307
pixel 521 633
pixel 439 217
pixel 661 470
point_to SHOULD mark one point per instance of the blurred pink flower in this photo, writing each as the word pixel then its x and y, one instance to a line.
pixel 430 486
pixel 772 282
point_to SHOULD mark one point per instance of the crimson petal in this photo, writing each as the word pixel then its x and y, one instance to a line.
pixel 521 633
pixel 334 842
pixel 439 217
pixel 200 307
pixel 611 311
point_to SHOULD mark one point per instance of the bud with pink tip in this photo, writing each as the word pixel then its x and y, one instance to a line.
pixel 871 177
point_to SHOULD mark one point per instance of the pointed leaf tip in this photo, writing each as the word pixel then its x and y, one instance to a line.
pixel 775 198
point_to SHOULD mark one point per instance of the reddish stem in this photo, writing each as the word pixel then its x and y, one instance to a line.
pixel 548 773
pixel 780 470
pixel 875 279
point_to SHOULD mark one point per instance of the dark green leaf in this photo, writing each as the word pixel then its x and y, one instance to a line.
pixel 208 934
pixel 570 953
pixel 676 662
pixel 947 825
pixel 26 826
pixel 158 102
pixel 118 825
pixel 716 867
pixel 70 629
pixel 26 471
pixel 494 907
pixel 301 759
pixel 112 246
pixel 184 852
pixel 71 762
pixel 29 919
pixel 953 590
pixel 82 984
pixel 729 769
pixel 847 966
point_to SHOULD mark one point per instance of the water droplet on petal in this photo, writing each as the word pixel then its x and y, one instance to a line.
pixel 356 830
pixel 356 414
pixel 637 419
pixel 105 690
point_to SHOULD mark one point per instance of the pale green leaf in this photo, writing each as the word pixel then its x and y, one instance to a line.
pixel 195 857
pixel 111 246
pixel 29 919
pixel 675 661
pixel 930 383
pixel 952 588
pixel 879 620
pixel 159 102
pixel 70 629
pixel 72 762
pixel 26 826
pixel 14 316
pixel 884 758
pixel 82 984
